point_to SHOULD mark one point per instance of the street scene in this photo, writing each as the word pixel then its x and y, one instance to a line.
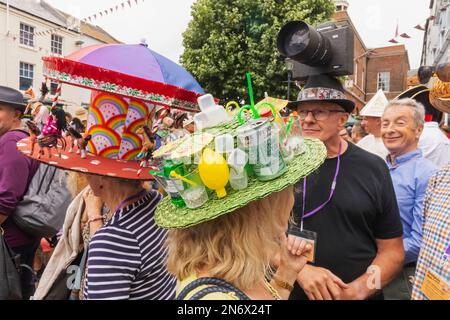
pixel 225 150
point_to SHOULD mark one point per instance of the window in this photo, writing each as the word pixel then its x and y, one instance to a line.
pixel 26 35
pixel 53 87
pixel 26 75
pixel 56 44
pixel 384 81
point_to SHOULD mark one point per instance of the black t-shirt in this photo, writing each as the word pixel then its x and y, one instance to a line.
pixel 363 209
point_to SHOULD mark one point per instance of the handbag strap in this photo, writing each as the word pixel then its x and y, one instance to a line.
pixel 216 285
pixel 79 275
pixel 13 256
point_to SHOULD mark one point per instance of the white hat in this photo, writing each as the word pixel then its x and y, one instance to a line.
pixel 375 107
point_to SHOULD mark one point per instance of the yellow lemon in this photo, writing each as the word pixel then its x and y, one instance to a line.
pixel 214 171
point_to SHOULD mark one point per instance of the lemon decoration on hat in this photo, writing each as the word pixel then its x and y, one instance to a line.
pixel 226 166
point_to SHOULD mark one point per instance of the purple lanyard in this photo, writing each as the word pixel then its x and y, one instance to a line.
pixel 132 197
pixel 333 187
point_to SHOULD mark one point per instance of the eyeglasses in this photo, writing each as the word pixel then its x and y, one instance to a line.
pixel 318 114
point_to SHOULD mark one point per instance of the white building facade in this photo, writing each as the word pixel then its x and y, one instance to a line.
pixel 436 47
pixel 31 29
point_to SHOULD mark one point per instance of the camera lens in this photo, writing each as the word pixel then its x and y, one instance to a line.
pixel 302 43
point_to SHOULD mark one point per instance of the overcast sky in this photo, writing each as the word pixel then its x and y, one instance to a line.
pixel 162 22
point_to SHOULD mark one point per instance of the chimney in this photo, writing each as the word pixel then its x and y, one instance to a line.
pixel 341 5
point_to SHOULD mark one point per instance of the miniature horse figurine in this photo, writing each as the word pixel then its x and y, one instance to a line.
pixel 34 133
pixel 81 142
pixel 51 136
pixel 148 145
pixel 148 142
pixel 75 130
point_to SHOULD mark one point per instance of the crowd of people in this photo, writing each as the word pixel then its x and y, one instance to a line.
pixel 373 222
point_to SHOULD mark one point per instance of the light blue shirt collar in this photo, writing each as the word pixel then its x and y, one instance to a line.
pixel 404 158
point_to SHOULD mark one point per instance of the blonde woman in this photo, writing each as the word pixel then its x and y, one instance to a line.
pixel 236 247
pixel 241 248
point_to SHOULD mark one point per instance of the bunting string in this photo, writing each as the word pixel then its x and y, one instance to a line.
pixel 88 19
pixel 420 26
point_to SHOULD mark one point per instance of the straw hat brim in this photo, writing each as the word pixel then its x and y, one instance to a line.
pixel 169 217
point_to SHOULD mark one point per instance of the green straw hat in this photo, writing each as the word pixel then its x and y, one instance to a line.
pixel 170 217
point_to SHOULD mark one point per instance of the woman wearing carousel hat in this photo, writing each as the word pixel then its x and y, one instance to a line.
pixel 125 256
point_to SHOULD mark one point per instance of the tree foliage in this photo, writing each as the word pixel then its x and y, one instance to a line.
pixel 227 38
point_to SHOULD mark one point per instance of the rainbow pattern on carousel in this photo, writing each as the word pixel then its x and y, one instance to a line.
pixel 130 146
pixel 103 138
pixel 131 143
pixel 117 123
pixel 95 117
pixel 110 106
pixel 113 123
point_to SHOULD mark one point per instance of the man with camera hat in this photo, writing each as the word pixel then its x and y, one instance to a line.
pixel 16 172
pixel 347 209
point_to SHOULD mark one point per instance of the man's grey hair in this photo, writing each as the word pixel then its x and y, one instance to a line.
pixel 417 108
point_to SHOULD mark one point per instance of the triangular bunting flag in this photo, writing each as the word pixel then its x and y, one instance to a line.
pixel 419 27
pixel 393 41
pixel 405 35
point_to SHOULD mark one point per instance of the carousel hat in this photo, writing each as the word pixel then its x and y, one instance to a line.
pixel 114 124
pixel 375 107
pixel 319 88
pixel 12 97
pixel 228 200
pixel 123 100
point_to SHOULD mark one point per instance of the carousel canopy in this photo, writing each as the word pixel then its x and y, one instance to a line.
pixel 128 70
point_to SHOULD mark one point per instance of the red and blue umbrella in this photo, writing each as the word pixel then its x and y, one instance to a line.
pixel 133 71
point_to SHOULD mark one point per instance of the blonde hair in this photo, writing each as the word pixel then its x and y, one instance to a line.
pixel 236 247
pixel 76 182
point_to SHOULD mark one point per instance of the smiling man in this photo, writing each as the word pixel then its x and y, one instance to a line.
pixel 401 126
pixel 348 205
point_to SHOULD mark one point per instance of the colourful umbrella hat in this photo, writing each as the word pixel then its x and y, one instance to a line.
pixel 132 71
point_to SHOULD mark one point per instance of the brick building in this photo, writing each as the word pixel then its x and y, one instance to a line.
pixel 387 68
pixel 383 68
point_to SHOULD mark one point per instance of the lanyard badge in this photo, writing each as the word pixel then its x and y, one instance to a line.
pixel 311 236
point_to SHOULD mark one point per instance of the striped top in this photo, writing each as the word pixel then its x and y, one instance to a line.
pixel 127 258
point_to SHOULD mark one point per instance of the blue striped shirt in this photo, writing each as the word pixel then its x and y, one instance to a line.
pixel 127 258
